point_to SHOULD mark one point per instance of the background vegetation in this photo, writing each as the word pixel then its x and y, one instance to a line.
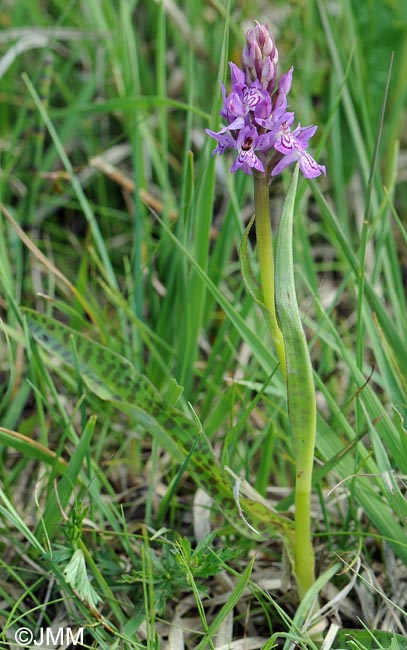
pixel 116 202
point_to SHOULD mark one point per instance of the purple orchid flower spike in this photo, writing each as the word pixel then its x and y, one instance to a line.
pixel 256 115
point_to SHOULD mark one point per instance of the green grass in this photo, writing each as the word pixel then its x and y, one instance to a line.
pixel 98 524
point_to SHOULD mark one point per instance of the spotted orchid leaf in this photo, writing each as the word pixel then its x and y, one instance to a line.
pixel 113 378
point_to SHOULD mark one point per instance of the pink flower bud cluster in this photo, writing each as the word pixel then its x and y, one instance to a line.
pixel 260 57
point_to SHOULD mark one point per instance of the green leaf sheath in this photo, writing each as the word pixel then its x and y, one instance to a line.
pixel 266 260
pixel 113 378
pixel 300 390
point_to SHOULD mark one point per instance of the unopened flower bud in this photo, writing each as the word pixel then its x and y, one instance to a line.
pixel 250 37
pixel 262 35
pixel 268 73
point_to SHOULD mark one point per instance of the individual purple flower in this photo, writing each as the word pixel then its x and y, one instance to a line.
pixel 308 166
pixel 244 99
pixel 279 113
pixel 248 141
pixel 252 100
pixel 293 147
pixel 277 117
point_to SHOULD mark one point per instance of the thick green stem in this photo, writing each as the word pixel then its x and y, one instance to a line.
pixel 266 260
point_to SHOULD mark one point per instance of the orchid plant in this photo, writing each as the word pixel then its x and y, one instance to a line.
pixel 259 128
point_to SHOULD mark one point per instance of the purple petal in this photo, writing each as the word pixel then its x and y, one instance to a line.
pixel 237 76
pixel 263 109
pixel 255 162
pixel 284 85
pixel 252 95
pixel 286 143
pixel 268 72
pixel 248 133
pixel 235 105
pixel 289 118
pixel 310 167
pixel 238 123
pixel 284 162
pixel 246 161
pixel 265 141
pixel 304 134
pixel 223 110
pixel 224 141
pixel 280 102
